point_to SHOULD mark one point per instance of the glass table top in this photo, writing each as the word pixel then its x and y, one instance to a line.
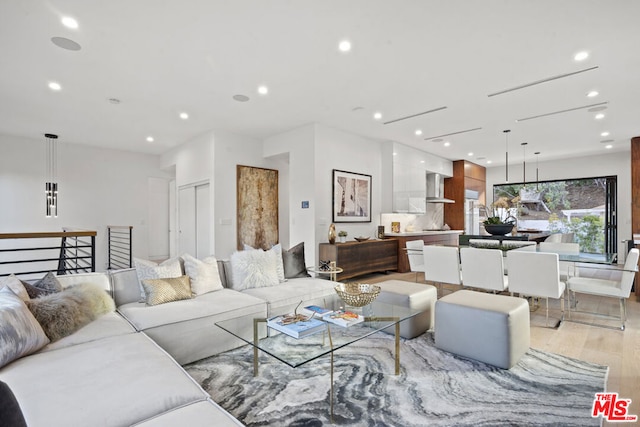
pixel 586 257
pixel 295 352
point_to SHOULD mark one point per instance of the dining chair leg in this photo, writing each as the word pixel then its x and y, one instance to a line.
pixel 562 308
pixel 547 320
pixel 623 312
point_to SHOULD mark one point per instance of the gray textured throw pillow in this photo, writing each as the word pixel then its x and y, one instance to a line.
pixel 293 260
pixel 45 286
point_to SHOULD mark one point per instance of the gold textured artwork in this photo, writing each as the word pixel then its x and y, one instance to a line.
pixel 257 196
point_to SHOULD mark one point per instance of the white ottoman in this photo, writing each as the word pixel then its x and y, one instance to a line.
pixel 490 328
pixel 413 295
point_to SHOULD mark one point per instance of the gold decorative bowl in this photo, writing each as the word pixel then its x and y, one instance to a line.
pixel 357 294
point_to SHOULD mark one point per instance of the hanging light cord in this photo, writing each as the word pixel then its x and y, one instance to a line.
pixel 506 154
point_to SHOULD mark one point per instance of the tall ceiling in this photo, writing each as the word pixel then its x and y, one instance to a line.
pixel 160 58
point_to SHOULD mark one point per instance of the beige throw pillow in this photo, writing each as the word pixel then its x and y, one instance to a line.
pixel 204 275
pixel 160 291
pixel 151 270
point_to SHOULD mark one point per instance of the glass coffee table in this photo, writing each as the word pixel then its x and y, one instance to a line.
pixel 294 352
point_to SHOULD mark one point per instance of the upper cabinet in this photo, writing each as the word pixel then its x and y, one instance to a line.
pixel 468 182
pixel 410 168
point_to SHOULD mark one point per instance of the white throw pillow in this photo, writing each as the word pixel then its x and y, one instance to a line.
pixel 13 283
pixel 204 274
pixel 20 332
pixel 277 250
pixel 145 269
pixel 253 269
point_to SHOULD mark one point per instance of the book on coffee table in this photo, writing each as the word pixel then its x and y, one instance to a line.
pixel 317 310
pixel 298 329
pixel 343 318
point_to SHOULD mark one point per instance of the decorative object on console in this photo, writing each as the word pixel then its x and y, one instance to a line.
pixel 294 263
pixel 351 197
pixel 332 233
pixel 395 227
pixel 257 201
pixel 343 236
pixel 20 332
pixel 357 294
pixel 381 232
pixel 51 186
pixel 361 238
pixel 63 313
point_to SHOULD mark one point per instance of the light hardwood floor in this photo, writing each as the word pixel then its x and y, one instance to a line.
pixel 620 350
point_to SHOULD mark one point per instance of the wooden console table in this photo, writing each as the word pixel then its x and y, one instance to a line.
pixel 358 258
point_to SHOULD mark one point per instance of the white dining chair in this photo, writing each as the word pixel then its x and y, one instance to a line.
pixel 414 253
pixel 442 265
pixel 483 269
pixel 536 274
pixel 567 269
pixel 620 289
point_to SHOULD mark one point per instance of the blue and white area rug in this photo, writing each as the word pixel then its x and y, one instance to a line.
pixel 434 388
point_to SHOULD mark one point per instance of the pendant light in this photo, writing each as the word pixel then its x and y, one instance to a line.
pixel 51 186
pixel 524 163
pixel 506 154
pixel 537 153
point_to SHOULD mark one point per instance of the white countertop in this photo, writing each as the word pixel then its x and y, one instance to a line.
pixel 423 232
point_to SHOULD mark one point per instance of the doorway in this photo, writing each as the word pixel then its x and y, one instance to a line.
pixel 193 220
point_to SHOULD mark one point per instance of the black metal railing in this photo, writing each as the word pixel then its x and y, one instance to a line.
pixel 33 253
pixel 120 246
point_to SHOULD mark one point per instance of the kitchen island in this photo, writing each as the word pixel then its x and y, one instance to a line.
pixel 429 237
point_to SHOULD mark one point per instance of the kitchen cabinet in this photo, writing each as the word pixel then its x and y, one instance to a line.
pixel 467 177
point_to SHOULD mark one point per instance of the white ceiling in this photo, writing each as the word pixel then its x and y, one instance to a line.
pixel 163 57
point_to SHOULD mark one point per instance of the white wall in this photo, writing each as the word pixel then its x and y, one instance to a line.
pixel 97 187
pixel 613 164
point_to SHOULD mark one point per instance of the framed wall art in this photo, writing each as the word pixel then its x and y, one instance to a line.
pixel 257 211
pixel 351 197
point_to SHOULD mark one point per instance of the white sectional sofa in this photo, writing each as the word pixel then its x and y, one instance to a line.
pixel 124 368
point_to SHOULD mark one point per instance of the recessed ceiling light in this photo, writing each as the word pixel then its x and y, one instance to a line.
pixel 447 143
pixel 150 139
pixel 184 116
pixel 608 147
pixel 54 86
pixel 581 56
pixel 395 154
pixel 599 116
pixel 263 90
pixel 593 94
pixel 344 46
pixel 377 115
pixel 604 134
pixel 421 161
pixel 470 153
pixel 418 132
pixel 241 98
pixel 489 162
pixel 69 22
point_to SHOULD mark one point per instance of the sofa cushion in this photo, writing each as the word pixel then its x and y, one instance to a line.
pixel 115 381
pixel 65 312
pixel 204 274
pixel 293 291
pixel 20 332
pixel 294 264
pixel 10 412
pixel 15 284
pixel 126 287
pixel 253 269
pixel 198 414
pixel 161 291
pixel 108 325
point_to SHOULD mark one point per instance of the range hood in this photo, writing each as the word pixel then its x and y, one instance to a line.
pixel 435 189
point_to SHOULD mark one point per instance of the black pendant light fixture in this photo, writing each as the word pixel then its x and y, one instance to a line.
pixel 524 163
pixel 506 154
pixel 51 186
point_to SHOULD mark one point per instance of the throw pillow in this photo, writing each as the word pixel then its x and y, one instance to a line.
pixel 253 269
pixel 47 285
pixel 20 332
pixel 151 270
pixel 160 291
pixel 15 284
pixel 294 264
pixel 33 291
pixel 204 275
pixel 65 312
pixel 277 250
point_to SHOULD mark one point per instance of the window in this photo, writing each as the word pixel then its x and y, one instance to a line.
pixel 585 207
